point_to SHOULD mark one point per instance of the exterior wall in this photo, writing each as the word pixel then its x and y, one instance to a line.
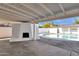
pixel 5 32
pixel 54 30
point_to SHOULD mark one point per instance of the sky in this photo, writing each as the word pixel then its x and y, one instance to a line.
pixel 65 21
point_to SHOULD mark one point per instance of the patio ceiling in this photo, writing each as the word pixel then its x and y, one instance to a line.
pixel 37 11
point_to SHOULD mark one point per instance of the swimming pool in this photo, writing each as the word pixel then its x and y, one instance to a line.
pixel 71 37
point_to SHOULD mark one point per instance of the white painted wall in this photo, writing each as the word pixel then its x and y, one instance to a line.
pixel 47 30
pixel 78 31
pixel 18 29
pixel 35 32
pixel 43 30
pixel 5 32
pixel 52 30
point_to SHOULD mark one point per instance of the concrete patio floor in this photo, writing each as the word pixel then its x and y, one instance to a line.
pixel 64 44
pixel 32 48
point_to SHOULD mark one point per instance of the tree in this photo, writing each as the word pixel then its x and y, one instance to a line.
pixel 77 22
pixel 46 25
pixel 40 26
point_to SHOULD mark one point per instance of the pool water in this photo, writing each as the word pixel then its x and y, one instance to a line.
pixel 72 37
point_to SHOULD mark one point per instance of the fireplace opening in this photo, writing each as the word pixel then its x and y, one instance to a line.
pixel 25 35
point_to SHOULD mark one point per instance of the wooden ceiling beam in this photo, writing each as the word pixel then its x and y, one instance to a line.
pixel 34 10
pixel 62 8
pixel 13 11
pixel 12 15
pixel 46 8
pixel 19 9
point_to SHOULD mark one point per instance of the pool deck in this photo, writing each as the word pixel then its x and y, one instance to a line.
pixel 64 44
pixel 32 48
